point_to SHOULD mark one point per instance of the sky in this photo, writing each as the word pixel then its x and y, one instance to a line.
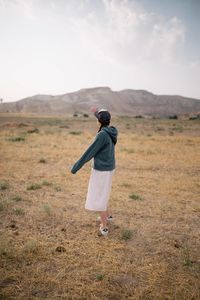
pixel 60 46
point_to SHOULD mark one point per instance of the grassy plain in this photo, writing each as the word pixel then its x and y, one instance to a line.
pixel 49 245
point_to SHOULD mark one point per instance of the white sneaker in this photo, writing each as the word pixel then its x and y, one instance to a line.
pixel 110 218
pixel 103 230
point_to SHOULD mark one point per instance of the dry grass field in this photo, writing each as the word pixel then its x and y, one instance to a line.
pixel 49 245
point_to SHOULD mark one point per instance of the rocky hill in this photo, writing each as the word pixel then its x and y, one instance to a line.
pixel 125 102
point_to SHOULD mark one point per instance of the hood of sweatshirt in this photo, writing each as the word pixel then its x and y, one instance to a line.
pixel 112 131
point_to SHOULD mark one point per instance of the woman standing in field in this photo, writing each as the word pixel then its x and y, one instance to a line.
pixel 102 151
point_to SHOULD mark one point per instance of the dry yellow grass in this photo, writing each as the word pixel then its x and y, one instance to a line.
pixel 50 248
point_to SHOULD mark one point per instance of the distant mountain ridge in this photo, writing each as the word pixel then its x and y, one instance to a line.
pixel 125 102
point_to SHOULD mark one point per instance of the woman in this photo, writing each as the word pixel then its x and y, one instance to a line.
pixel 102 150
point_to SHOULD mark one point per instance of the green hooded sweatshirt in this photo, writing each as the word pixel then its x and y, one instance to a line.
pixel 102 150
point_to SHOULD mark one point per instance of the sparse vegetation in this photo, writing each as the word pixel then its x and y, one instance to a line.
pixel 49 244
pixel 75 132
pixel 19 211
pixel 17 139
pixel 47 209
pixel 42 161
pixel 4 185
pixel 46 183
pixel 33 130
pixel 31 246
pixel 126 234
pixel 134 196
pixel 99 277
pixel 17 198
pixel 34 186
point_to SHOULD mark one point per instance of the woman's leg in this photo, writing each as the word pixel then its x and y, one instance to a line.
pixel 103 216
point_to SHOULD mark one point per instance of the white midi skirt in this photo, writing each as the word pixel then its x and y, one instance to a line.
pixel 99 190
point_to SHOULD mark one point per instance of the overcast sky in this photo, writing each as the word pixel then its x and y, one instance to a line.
pixel 59 46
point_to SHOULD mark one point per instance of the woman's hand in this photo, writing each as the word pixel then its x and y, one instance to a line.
pixel 93 109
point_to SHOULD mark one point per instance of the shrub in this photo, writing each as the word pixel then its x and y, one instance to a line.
pixel 19 211
pixel 34 186
pixel 42 160
pixel 16 139
pixel 75 132
pixel 4 186
pixel 17 198
pixel 31 247
pixel 139 117
pixel 99 277
pixel 126 234
pixel 33 130
pixel 46 208
pixel 135 197
pixel 46 183
pixel 174 117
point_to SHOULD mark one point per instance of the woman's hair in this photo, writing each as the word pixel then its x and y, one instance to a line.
pixel 103 124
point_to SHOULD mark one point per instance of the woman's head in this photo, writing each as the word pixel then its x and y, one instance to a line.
pixel 103 116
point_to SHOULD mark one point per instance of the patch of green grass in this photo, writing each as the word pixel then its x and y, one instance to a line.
pixel 100 277
pixel 17 139
pixel 31 246
pixel 46 183
pixel 186 257
pixel 17 198
pixel 126 234
pixel 34 186
pixel 134 196
pixel 75 132
pixel 4 185
pixel 19 211
pixel 47 209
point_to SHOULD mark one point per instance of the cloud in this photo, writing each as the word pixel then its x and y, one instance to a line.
pixel 126 33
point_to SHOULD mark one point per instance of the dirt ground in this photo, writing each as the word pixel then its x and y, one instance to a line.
pixel 50 247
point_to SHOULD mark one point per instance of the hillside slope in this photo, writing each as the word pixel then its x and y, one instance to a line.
pixel 125 102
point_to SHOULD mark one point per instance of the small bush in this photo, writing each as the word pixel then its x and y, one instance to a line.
pixel 139 117
pixel 1 206
pixel 33 130
pixel 19 211
pixel 34 186
pixel 135 197
pixel 174 117
pixel 16 139
pixel 4 185
pixel 31 247
pixel 17 198
pixel 42 161
pixel 126 234
pixel 75 132
pixel 85 115
pixel 99 277
pixel 46 208
pixel 46 183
